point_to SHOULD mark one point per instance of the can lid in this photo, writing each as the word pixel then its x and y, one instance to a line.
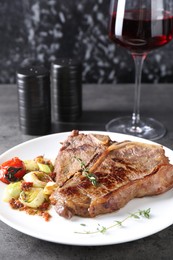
pixel 66 65
pixel 65 62
pixel 32 72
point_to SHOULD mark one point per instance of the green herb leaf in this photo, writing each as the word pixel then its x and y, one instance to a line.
pixel 101 229
pixel 134 215
pixel 145 213
pixel 119 223
pixel 91 176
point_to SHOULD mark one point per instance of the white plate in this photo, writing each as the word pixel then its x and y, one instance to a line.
pixel 60 230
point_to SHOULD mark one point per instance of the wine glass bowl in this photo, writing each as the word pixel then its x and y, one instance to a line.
pixel 140 26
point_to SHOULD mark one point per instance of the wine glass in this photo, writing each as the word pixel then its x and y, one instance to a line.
pixel 140 26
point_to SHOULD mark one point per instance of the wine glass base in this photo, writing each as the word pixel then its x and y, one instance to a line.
pixel 148 128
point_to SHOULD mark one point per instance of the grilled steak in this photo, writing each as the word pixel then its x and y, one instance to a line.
pixel 123 171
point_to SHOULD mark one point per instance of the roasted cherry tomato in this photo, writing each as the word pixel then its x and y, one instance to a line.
pixel 12 170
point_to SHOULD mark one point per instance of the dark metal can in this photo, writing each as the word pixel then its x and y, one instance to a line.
pixel 66 90
pixel 33 86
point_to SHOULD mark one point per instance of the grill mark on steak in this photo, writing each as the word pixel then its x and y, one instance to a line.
pixel 123 170
pixel 93 159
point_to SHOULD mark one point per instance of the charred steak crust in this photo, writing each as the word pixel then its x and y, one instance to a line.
pixel 124 171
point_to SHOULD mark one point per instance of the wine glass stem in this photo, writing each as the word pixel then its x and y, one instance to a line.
pixel 138 60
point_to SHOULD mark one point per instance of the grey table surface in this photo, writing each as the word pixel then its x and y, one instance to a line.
pixel 100 104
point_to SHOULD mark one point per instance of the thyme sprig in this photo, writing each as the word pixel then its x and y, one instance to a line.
pixel 91 176
pixel 102 229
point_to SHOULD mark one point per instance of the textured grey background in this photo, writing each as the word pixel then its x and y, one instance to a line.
pixel 43 30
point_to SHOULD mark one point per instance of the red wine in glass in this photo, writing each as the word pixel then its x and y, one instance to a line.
pixel 141 34
pixel 140 26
